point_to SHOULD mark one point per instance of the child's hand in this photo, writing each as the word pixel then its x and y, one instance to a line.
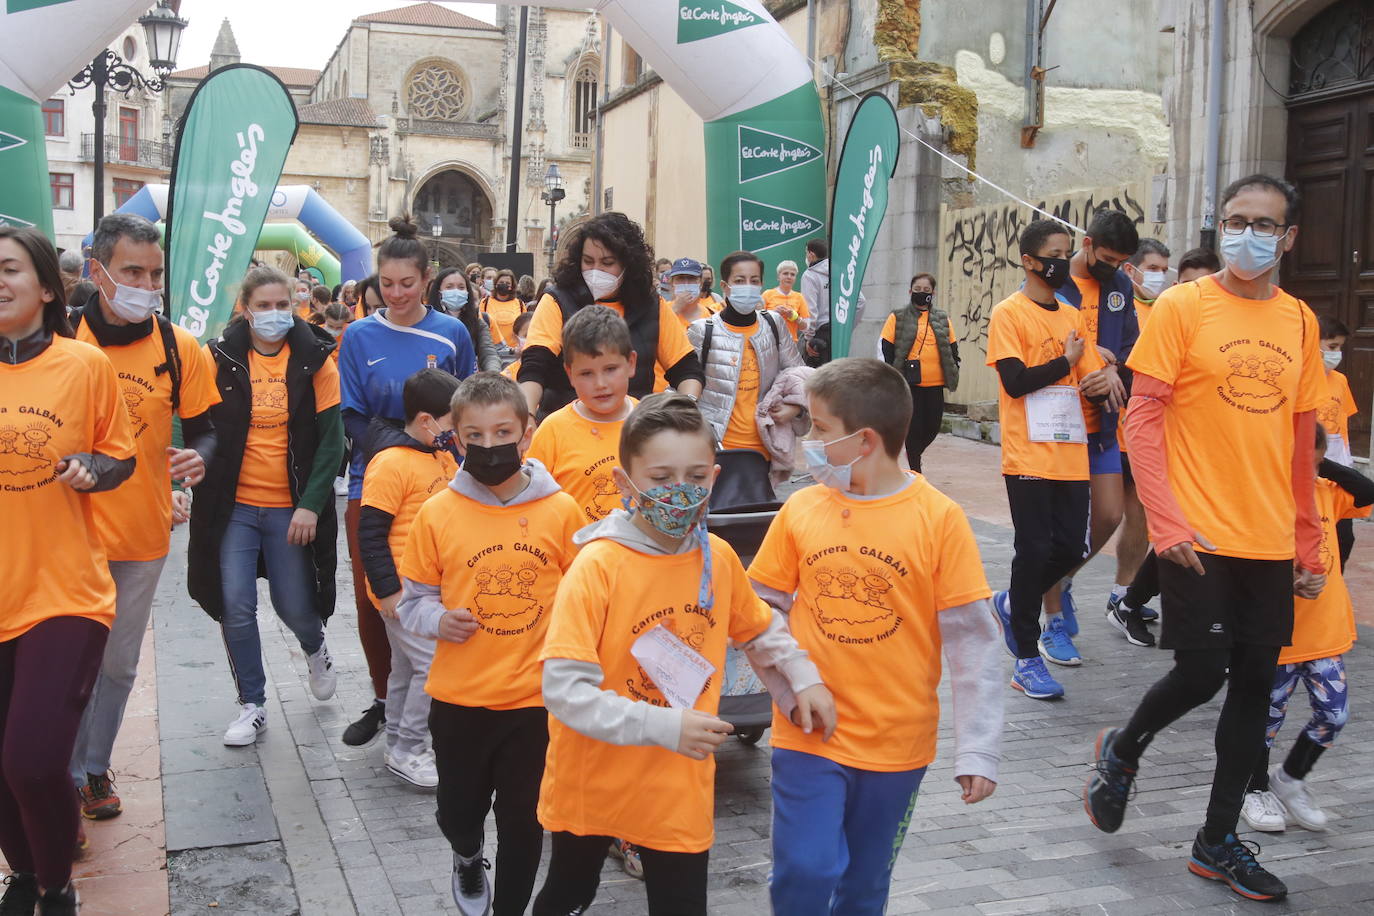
pixel 457 626
pixel 701 734
pixel 1307 584
pixel 815 706
pixel 976 788
pixel 387 606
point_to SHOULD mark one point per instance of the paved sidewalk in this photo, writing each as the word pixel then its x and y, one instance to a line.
pixel 303 824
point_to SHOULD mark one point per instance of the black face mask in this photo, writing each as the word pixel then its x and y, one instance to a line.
pixel 493 465
pixel 1054 271
pixel 1102 272
pixel 503 290
pixel 922 300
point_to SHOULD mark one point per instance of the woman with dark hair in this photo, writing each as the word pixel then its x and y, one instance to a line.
pixel 369 297
pixel 607 262
pixel 453 293
pixel 501 308
pixel 918 341
pixel 64 433
pixel 381 352
pixel 268 494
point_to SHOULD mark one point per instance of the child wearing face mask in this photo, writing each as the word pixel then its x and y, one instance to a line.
pixel 632 665
pixel 876 571
pixel 502 307
pixel 1335 412
pixel 407 467
pixel 481 565
pixel 743 349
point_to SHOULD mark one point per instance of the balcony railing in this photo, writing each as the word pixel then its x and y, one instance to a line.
pixel 148 154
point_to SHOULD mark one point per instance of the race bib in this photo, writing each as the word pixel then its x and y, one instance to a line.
pixel 1055 414
pixel 678 670
pixel 1338 450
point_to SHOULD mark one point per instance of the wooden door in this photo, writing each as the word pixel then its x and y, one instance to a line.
pixel 1331 160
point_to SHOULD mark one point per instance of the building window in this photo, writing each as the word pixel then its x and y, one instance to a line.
pixel 130 48
pixel 584 105
pixel 634 66
pixel 436 91
pixel 128 134
pixel 55 117
pixel 63 190
pixel 125 188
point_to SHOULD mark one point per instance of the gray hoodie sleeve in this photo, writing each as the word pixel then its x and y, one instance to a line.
pixel 420 608
pixel 488 360
pixel 977 674
pixel 780 663
pixel 573 695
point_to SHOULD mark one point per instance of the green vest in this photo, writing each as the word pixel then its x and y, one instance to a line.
pixel 904 337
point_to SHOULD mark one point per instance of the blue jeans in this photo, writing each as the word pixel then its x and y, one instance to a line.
pixel 291 579
pixel 836 834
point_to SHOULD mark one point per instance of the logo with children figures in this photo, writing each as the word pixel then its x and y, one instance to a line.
pixel 1253 376
pixel 1324 551
pixel 269 403
pixel 854 604
pixel 606 500
pixel 26 462
pixel 1050 349
pixel 505 603
pixel 133 404
pixel 1329 415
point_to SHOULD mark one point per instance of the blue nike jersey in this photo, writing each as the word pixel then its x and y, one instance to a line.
pixel 377 357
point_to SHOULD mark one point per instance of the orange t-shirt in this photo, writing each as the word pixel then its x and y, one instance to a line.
pixel 1142 311
pixel 398 481
pixel 64 401
pixel 870 578
pixel 580 452
pixel 1240 370
pixel 546 330
pixel 1020 329
pixel 136 518
pixel 1337 407
pixel 742 430
pixel 1325 626
pixel 503 565
pixel 699 310
pixel 924 348
pixel 777 300
pixel 611 596
pixel 503 315
pixel 262 477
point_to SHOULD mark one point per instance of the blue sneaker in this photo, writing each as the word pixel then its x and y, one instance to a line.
pixel 1056 645
pixel 1001 609
pixel 1148 613
pixel 1032 678
pixel 1067 609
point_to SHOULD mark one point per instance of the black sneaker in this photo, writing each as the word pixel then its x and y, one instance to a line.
pixel 367 727
pixel 21 894
pixel 1131 624
pixel 62 902
pixel 1233 862
pixel 1106 794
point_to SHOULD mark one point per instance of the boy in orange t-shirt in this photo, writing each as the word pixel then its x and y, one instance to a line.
pixel 521 328
pixel 407 467
pixel 579 443
pixel 482 564
pixel 1334 415
pixel 877 571
pixel 632 672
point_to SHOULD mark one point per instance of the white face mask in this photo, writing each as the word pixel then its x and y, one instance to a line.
pixel 745 298
pixel 1153 282
pixel 601 283
pixel 687 292
pixel 819 466
pixel 132 304
pixel 272 325
pixel 1332 358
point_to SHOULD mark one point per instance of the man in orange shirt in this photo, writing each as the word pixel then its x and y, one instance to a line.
pixel 163 372
pixel 1228 365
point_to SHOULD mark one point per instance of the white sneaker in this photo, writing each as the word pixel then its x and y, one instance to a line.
pixel 416 769
pixel 1263 811
pixel 244 730
pixel 323 680
pixel 340 486
pixel 1297 798
pixel 471 886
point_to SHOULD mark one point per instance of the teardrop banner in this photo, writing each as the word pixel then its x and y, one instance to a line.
pixel 230 150
pixel 867 162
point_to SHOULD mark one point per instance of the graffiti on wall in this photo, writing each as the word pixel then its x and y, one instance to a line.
pixel 980 264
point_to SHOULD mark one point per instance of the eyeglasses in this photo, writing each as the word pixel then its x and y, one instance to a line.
pixel 1263 228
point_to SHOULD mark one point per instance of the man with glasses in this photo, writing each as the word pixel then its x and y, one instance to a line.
pixel 1228 376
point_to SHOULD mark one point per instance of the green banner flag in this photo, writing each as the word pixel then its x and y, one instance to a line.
pixel 708 19
pixel 25 191
pixel 867 162
pixel 231 147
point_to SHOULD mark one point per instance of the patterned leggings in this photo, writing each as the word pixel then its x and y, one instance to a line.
pixel 1326 690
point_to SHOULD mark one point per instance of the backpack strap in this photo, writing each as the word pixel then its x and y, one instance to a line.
pixel 706 341
pixel 771 320
pixel 173 365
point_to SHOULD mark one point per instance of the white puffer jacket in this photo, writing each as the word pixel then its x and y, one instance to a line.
pixel 773 347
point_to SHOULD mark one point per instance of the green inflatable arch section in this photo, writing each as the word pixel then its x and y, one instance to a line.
pixel 292 237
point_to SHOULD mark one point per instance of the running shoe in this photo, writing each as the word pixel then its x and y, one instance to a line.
pixel 1106 794
pixel 629 858
pixel 1233 862
pixel 1131 625
pixel 1032 678
pixel 1147 613
pixel 1001 609
pixel 1056 645
pixel 471 886
pixel 244 730
pixel 1067 608
pixel 1297 799
pixel 368 726
pixel 21 894
pixel 98 799
pixel 419 770
pixel 60 902
pixel 323 680
pixel 1263 811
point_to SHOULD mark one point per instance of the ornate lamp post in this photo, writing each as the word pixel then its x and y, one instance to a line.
pixel 553 193
pixel 162 29
pixel 437 231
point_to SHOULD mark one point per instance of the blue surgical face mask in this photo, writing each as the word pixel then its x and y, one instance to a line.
pixel 272 325
pixel 1249 256
pixel 454 299
pixel 819 466
pixel 687 291
pixel 745 299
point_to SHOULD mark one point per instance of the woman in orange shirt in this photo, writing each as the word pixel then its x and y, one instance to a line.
pixel 502 306
pixel 269 493
pixel 64 433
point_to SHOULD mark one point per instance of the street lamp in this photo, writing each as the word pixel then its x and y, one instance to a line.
pixel 553 193
pixel 162 29
pixel 437 231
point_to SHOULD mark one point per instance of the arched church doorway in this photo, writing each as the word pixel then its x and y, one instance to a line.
pixel 454 204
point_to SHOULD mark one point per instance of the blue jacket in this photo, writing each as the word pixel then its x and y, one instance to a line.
pixel 1117 330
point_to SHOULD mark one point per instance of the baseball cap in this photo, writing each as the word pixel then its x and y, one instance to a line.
pixel 685 267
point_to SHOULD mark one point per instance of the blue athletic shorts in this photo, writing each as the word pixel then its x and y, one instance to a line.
pixel 1100 460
